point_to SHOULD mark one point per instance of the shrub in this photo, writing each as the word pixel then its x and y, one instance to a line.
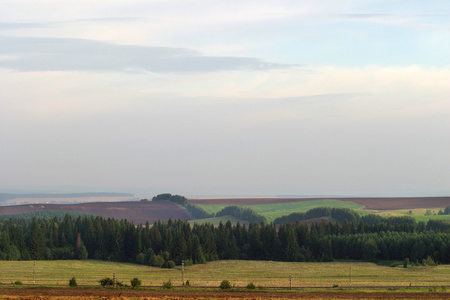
pixel 251 286
pixel 140 258
pixel 167 284
pixel 188 283
pixel 73 282
pixel 106 282
pixel 136 283
pixel 335 285
pixel 18 282
pixel 156 261
pixel 406 263
pixel 170 264
pixel 224 285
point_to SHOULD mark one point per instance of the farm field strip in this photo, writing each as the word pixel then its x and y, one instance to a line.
pixel 239 273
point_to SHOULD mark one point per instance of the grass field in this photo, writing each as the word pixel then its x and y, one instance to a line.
pixel 273 211
pixel 239 273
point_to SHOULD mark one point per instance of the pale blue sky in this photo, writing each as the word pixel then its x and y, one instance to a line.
pixel 230 97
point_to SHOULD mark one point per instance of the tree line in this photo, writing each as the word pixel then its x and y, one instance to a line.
pixel 167 244
pixel 246 214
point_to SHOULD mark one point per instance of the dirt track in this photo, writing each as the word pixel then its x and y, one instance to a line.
pixel 140 294
pixel 369 203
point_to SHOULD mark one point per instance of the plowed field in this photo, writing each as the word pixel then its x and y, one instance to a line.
pixel 66 293
pixel 135 211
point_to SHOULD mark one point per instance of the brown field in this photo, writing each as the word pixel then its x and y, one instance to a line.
pixel 369 203
pixel 135 211
pixel 85 294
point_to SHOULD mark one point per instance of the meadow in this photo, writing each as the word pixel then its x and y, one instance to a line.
pixel 239 273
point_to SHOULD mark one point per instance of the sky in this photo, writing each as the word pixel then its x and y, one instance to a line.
pixel 206 97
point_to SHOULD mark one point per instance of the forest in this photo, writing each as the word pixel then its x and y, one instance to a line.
pixel 367 238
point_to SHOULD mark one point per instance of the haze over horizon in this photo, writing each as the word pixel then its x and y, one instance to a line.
pixel 226 98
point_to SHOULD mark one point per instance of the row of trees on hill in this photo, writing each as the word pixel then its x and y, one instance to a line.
pixel 167 244
pixel 197 212
pixel 338 214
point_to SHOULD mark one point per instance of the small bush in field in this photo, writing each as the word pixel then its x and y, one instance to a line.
pixel 18 282
pixel 106 281
pixel 136 283
pixel 167 284
pixel 224 285
pixel 251 286
pixel 73 282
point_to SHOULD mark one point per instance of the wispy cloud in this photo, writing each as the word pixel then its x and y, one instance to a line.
pixel 56 54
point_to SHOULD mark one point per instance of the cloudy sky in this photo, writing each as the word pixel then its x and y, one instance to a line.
pixel 209 97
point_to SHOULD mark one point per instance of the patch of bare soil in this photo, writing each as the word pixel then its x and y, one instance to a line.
pixel 141 294
pixel 135 211
pixel 378 203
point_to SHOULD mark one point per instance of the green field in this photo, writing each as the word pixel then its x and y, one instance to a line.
pixel 273 211
pixel 239 273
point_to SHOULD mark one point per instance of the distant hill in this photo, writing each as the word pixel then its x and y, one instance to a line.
pixel 8 198
pixel 134 211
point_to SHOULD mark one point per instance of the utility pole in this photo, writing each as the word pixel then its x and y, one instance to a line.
pixel 114 280
pixel 34 271
pixel 350 275
pixel 182 273
pixel 290 282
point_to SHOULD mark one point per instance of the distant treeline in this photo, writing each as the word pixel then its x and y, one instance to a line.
pixel 446 211
pixel 5 197
pixel 338 214
pixel 371 238
pixel 245 214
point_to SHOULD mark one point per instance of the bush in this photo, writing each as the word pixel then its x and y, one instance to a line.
pixel 156 261
pixel 73 282
pixel 406 263
pixel 136 283
pixel 251 286
pixel 188 283
pixel 170 264
pixel 18 282
pixel 140 258
pixel 167 284
pixel 224 285
pixel 106 282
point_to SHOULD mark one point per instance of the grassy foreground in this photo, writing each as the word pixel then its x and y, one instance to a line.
pixel 239 273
